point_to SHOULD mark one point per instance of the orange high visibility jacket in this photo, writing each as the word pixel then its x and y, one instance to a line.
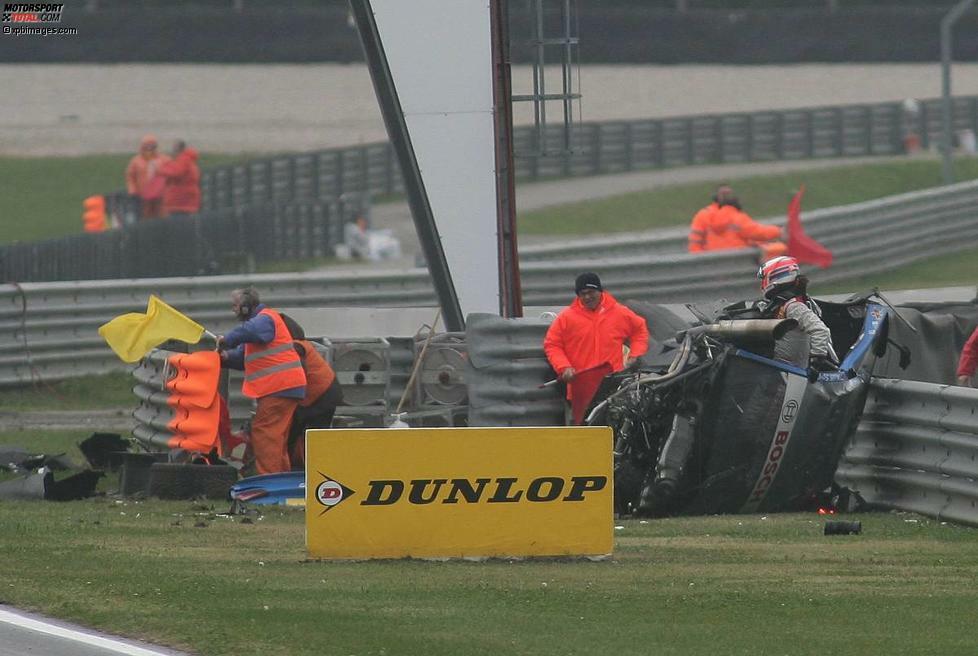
pixel 319 375
pixel 274 366
pixel 716 228
pixel 583 338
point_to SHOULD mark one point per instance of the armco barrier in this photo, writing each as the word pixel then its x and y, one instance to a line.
pixel 48 330
pixel 506 368
pixel 916 449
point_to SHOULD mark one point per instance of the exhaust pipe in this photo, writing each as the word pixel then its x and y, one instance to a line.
pixel 749 331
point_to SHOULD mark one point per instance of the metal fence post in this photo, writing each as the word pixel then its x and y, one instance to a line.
pixel 659 145
pixel 924 130
pixel 719 149
pixel 339 173
pixel 810 134
pixel 596 142
pixel 364 170
pixel 973 113
pixel 779 135
pixel 868 112
pixel 629 150
pixel 293 182
pixel 840 132
pixel 749 139
pixel 269 180
pixel 896 128
pixel 314 173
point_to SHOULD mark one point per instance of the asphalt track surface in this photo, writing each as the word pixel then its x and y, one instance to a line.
pixel 26 633
pixel 77 109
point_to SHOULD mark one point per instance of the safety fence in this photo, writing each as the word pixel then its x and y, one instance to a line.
pixel 231 239
pixel 48 330
pixel 599 148
pixel 915 450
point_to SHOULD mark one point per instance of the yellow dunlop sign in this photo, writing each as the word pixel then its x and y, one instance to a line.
pixel 459 492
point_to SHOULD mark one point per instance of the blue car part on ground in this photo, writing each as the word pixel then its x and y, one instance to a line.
pixel 286 488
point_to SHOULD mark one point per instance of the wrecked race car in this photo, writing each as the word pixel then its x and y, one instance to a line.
pixel 713 423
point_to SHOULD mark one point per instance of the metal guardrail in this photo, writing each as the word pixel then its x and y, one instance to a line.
pixel 916 449
pixel 835 227
pixel 865 238
pixel 599 148
pixel 48 330
pixel 506 368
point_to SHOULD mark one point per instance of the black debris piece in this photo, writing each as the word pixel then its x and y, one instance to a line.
pixel 78 486
pixel 104 450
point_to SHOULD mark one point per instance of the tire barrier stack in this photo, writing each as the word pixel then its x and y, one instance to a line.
pixel 179 402
pixel 916 449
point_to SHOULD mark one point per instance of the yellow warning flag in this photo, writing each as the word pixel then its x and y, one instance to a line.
pixel 133 335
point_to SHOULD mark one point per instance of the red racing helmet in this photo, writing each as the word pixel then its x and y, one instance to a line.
pixel 777 271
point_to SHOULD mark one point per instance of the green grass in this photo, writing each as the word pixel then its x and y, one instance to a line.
pixel 90 393
pixel 956 269
pixel 762 196
pixel 181 574
pixel 45 441
pixel 43 195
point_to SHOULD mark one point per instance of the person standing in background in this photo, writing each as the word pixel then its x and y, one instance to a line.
pixel 723 225
pixel 181 194
pixel 143 181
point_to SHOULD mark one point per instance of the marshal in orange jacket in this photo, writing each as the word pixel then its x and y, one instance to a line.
pixel 716 228
pixel 583 338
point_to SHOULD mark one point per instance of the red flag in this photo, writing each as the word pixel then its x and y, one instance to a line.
pixel 800 246
pixel 583 387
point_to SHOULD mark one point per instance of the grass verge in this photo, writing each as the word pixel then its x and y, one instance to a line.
pixel 763 196
pixel 44 194
pixel 185 575
pixel 90 393
pixel 956 269
pixel 48 191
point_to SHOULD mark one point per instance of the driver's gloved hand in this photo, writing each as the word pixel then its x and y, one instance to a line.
pixel 822 363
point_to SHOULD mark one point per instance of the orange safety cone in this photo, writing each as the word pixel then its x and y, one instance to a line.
pixel 93 214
